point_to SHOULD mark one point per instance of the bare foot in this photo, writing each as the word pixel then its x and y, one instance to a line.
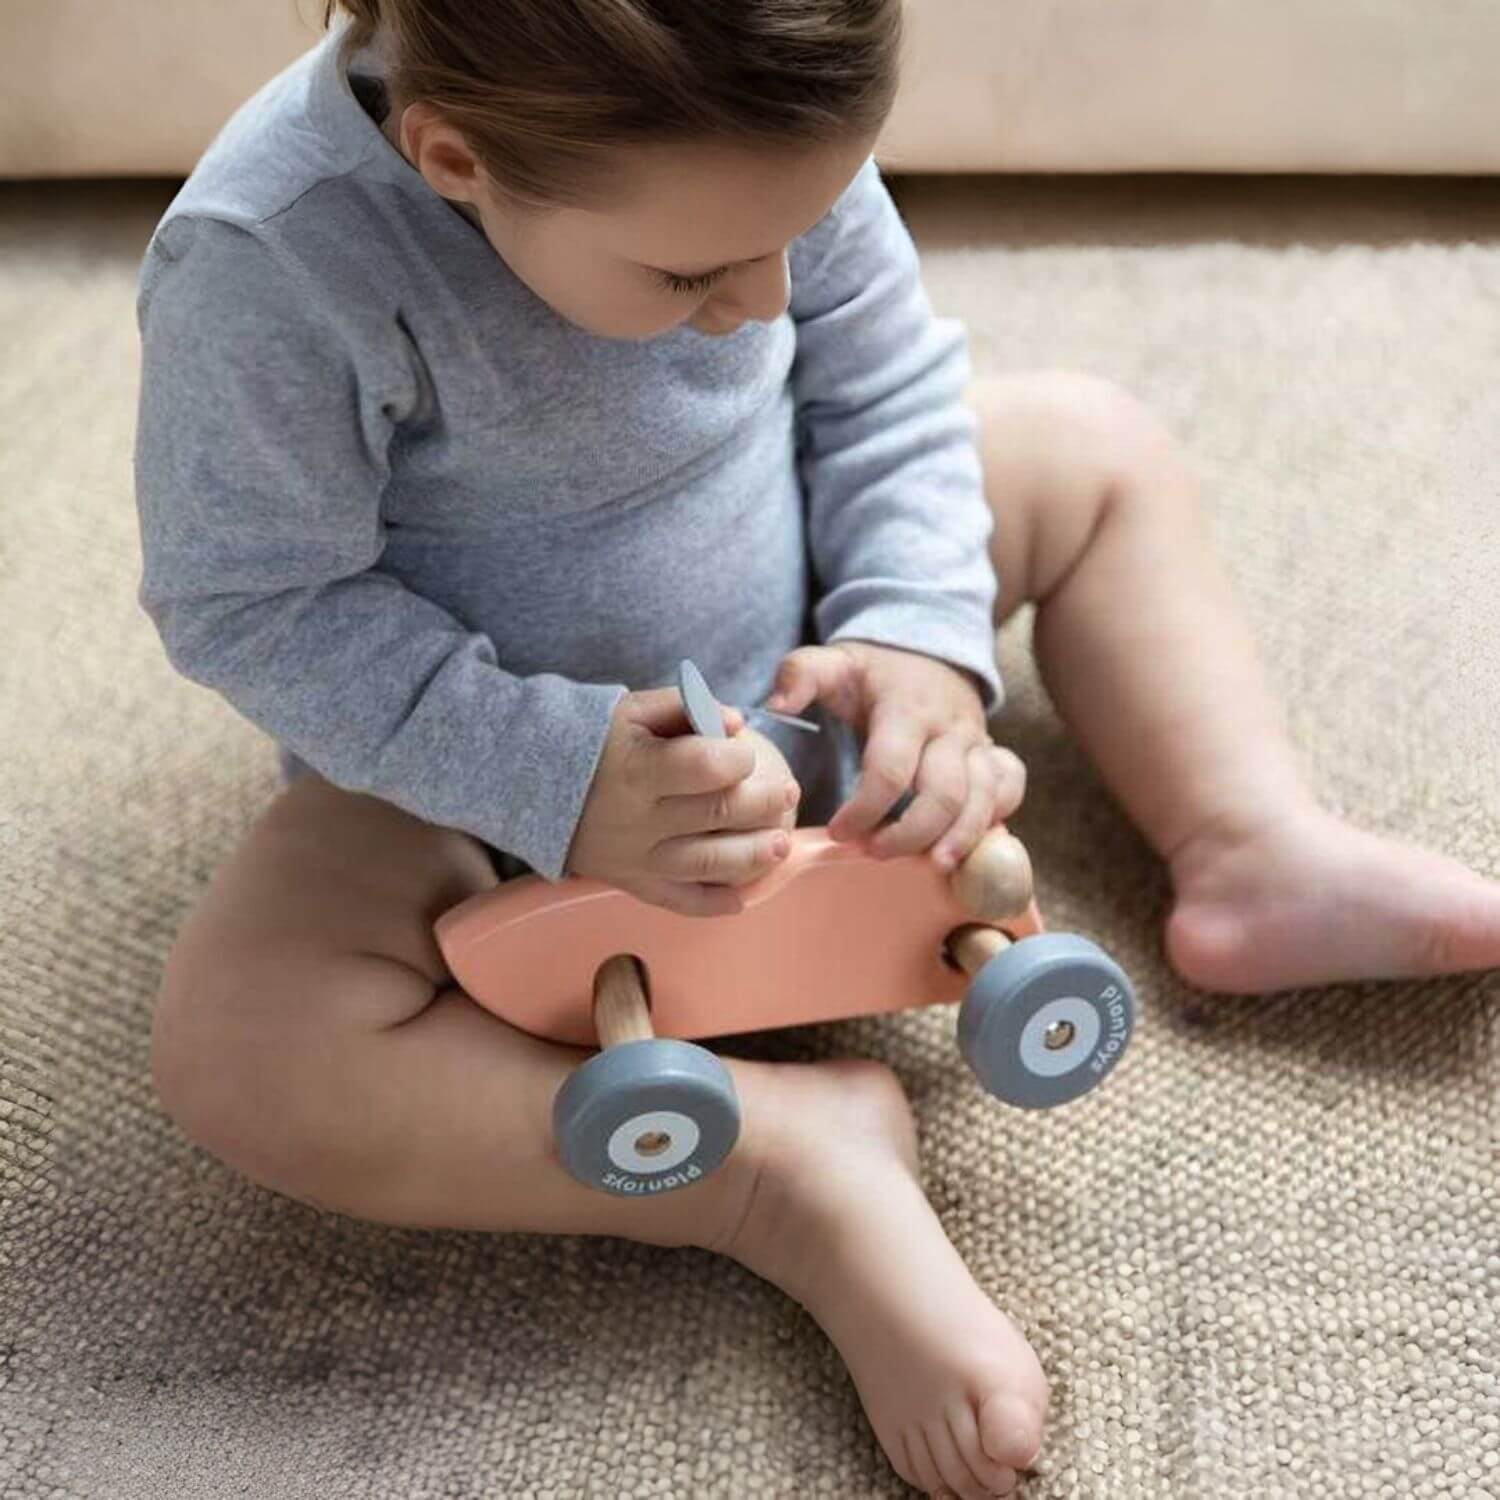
pixel 833 1213
pixel 1305 899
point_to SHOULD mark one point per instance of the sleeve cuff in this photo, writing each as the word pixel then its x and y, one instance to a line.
pixel 552 747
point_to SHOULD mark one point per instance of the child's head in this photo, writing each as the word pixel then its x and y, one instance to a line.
pixel 640 163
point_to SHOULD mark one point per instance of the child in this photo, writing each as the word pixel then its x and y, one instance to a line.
pixel 499 354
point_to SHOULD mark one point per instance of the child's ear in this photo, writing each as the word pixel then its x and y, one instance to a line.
pixel 440 153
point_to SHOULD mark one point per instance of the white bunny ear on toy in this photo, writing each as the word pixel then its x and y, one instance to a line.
pixel 703 709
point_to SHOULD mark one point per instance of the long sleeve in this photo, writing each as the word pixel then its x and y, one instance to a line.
pixel 898 524
pixel 263 448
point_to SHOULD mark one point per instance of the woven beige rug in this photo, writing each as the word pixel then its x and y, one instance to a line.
pixel 1264 1260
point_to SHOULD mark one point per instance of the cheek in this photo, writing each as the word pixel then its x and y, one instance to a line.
pixel 607 301
pixel 615 311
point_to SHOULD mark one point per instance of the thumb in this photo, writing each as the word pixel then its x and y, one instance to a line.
pixel 661 711
pixel 807 673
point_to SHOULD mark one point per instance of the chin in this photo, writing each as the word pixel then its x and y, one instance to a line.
pixel 603 329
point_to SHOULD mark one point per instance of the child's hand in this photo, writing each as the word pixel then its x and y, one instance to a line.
pixel 678 819
pixel 924 725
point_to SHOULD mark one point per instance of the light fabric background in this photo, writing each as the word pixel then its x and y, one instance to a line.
pixel 1263 1260
pixel 1029 85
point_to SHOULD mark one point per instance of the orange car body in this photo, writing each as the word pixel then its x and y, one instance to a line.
pixel 831 932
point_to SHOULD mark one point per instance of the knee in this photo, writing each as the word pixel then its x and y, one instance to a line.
pixel 1132 443
pixel 231 1070
pixel 198 1073
pixel 1102 443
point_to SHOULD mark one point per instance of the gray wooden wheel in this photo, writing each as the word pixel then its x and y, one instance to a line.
pixel 1046 1020
pixel 646 1117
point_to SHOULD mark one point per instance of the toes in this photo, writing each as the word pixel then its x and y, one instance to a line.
pixel 1010 1429
pixel 996 1478
pixel 959 1477
pixel 920 1471
pixel 1467 934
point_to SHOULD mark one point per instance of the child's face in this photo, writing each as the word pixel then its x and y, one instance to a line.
pixel 694 234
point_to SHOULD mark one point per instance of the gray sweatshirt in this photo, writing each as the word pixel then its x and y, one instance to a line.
pixel 426 533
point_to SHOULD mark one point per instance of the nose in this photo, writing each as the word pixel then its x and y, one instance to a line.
pixel 759 291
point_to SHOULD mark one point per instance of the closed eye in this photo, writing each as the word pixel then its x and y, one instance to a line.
pixel 683 285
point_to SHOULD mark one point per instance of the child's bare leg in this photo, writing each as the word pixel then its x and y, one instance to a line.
pixel 308 1033
pixel 1152 667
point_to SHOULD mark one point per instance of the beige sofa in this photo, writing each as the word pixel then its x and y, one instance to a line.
pixel 95 87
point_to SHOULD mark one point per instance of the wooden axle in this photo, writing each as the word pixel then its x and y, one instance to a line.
pixel 622 1013
pixel 973 946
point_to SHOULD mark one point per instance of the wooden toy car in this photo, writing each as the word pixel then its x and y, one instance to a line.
pixel 831 932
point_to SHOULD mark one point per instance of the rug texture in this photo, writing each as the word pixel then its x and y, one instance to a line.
pixel 1265 1259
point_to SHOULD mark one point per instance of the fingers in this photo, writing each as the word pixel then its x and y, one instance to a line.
pixel 692 765
pixel 757 802
pixel 978 813
pixel 950 834
pixel 1010 782
pixel 816 672
pixel 668 758
pixel 658 709
pixel 985 783
pixel 661 710
pixel 690 900
pixel 889 765
pixel 945 784
pixel 721 858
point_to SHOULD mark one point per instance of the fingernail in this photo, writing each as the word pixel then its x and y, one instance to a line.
pixel 789 797
pixel 779 845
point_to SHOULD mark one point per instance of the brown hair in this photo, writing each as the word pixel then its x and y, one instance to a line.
pixel 545 90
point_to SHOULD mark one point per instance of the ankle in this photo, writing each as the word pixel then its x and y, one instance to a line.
pixel 709 1215
pixel 1234 826
pixel 816 1137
